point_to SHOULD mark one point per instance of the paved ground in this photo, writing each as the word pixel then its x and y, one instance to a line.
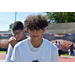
pixel 67 59
pixel 2 57
pixel 2 60
pixel 61 59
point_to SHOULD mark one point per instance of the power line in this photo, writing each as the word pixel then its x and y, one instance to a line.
pixel 4 22
pixel 21 16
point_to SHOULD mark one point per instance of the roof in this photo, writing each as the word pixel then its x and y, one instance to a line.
pixel 5 32
pixel 61 28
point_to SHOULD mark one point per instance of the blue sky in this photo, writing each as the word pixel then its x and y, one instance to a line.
pixel 6 18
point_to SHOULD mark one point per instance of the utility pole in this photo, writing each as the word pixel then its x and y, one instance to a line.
pixel 15 15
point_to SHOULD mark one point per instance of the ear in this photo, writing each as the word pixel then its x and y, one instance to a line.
pixel 28 30
pixel 23 30
pixel 43 30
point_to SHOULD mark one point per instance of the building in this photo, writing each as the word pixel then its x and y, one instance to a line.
pixel 5 32
pixel 60 28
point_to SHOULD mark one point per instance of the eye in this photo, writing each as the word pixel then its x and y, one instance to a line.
pixel 31 29
pixel 38 29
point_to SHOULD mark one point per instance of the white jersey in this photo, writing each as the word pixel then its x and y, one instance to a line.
pixel 25 52
pixel 9 53
pixel 59 46
pixel 56 44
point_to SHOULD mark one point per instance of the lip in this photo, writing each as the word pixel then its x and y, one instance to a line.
pixel 17 38
pixel 35 36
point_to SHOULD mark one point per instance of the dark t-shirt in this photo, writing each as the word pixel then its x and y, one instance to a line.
pixel 71 47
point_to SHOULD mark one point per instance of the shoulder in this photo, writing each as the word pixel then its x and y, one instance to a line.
pixel 48 43
pixel 23 42
pixel 52 46
pixel 60 44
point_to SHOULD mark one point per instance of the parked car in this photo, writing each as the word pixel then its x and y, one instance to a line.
pixel 4 41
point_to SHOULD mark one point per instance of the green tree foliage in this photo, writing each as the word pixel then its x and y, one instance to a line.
pixel 10 26
pixel 61 17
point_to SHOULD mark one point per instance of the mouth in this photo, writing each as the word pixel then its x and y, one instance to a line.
pixel 17 38
pixel 34 36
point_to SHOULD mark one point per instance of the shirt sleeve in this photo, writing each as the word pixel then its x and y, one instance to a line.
pixel 16 54
pixel 9 53
pixel 55 57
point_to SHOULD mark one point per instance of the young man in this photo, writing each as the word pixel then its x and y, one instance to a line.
pixel 56 44
pixel 35 48
pixel 18 32
pixel 59 46
pixel 71 47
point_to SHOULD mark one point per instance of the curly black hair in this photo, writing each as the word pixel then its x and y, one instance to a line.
pixel 35 22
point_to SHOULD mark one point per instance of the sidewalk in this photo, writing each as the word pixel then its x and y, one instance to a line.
pixel 66 59
pixel 2 57
pixel 2 60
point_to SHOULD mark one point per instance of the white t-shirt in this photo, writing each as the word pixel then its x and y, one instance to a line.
pixel 56 44
pixel 9 53
pixel 59 46
pixel 25 52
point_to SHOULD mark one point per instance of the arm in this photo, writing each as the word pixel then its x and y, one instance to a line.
pixel 55 57
pixel 9 53
pixel 12 41
pixel 16 54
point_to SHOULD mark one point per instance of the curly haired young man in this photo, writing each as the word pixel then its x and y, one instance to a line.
pixel 35 48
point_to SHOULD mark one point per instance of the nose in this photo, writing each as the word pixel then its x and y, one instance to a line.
pixel 34 32
pixel 15 36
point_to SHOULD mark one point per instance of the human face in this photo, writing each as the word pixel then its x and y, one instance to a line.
pixel 18 34
pixel 36 34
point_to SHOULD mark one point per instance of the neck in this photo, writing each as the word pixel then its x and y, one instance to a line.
pixel 37 43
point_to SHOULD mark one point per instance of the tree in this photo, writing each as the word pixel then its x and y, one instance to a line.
pixel 61 17
pixel 10 26
pixel 44 14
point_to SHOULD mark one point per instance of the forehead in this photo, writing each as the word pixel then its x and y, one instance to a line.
pixel 34 28
pixel 15 31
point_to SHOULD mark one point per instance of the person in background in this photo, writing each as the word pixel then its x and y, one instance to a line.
pixel 59 47
pixel 71 47
pixel 35 48
pixel 56 44
pixel 18 32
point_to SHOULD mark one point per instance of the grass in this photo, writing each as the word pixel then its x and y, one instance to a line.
pixel 2 51
pixel 65 55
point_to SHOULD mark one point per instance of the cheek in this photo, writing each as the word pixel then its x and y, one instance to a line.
pixel 20 36
pixel 40 33
pixel 30 34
